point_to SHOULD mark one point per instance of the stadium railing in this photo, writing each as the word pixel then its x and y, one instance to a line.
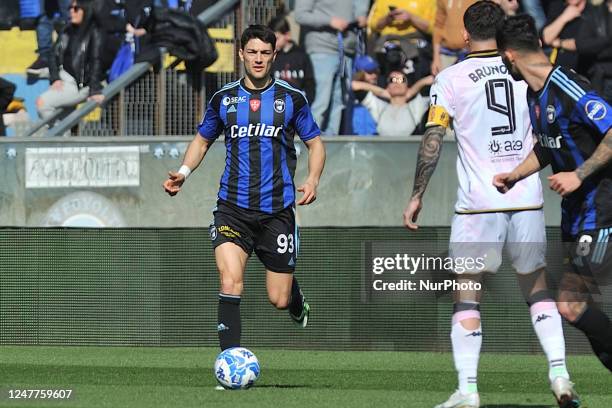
pixel 168 102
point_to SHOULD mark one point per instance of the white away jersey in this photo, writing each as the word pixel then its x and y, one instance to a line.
pixel 493 131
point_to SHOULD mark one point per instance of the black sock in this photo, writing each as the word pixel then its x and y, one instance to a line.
pixel 297 299
pixel 598 329
pixel 228 318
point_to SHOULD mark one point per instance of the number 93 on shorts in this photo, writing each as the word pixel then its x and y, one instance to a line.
pixel 273 237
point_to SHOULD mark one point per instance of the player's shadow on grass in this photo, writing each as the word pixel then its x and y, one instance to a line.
pixel 515 406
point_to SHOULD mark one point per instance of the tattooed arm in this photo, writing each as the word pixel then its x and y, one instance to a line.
pixel 567 182
pixel 600 158
pixel 429 154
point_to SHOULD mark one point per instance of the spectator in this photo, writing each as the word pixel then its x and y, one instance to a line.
pixel 331 44
pixel 508 6
pixel 594 46
pixel 44 34
pixel 410 23
pixel 292 64
pixel 7 90
pixel 75 66
pixel 448 42
pixel 536 10
pixel 119 18
pixel 366 70
pixel 562 26
pixel 405 109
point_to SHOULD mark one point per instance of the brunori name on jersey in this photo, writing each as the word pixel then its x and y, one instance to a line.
pixel 255 130
pixel 484 72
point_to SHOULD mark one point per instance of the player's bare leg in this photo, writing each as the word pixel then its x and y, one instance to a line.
pixel 284 293
pixel 278 285
pixel 466 338
pixel 231 262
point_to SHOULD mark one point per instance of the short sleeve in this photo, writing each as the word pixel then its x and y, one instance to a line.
pixel 442 107
pixel 374 105
pixel 594 112
pixel 211 126
pixel 305 125
pixel 542 154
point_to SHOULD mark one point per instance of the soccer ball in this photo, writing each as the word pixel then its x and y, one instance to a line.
pixel 236 368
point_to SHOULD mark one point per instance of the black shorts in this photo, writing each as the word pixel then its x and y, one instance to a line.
pixel 273 237
pixel 590 256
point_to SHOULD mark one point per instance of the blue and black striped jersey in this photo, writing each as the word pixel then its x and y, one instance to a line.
pixel 259 128
pixel 569 121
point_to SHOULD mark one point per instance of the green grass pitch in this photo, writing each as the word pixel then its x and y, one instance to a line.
pixel 182 377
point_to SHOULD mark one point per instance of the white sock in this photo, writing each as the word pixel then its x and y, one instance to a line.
pixel 466 352
pixel 548 326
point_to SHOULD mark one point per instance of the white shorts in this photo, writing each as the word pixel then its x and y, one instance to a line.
pixel 482 237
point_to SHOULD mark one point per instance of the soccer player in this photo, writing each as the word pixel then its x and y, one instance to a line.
pixel 573 126
pixel 259 117
pixel 491 121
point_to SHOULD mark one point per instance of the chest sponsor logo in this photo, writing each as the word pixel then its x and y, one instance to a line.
pixel 233 99
pixel 255 130
pixel 505 147
pixel 549 141
pixel 279 106
pixel 254 104
pixel 551 114
pixel 595 110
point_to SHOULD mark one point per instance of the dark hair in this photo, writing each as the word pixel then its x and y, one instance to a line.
pixel 482 19
pixel 519 33
pixel 279 24
pixel 261 32
pixel 90 10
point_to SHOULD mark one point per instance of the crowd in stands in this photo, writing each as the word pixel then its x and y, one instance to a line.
pixel 84 53
pixel 403 44
pixel 365 65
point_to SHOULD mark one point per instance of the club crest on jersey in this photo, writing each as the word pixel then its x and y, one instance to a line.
pixel 213 232
pixel 254 104
pixel 595 110
pixel 233 99
pixel 279 106
pixel 551 114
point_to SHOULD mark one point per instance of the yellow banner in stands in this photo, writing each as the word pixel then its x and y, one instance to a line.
pixel 226 51
pixel 18 50
pixel 93 116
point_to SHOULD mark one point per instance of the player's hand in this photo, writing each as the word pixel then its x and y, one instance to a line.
pixel 504 182
pixel 310 193
pixel 411 213
pixel 174 183
pixel 339 24
pixel 564 183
